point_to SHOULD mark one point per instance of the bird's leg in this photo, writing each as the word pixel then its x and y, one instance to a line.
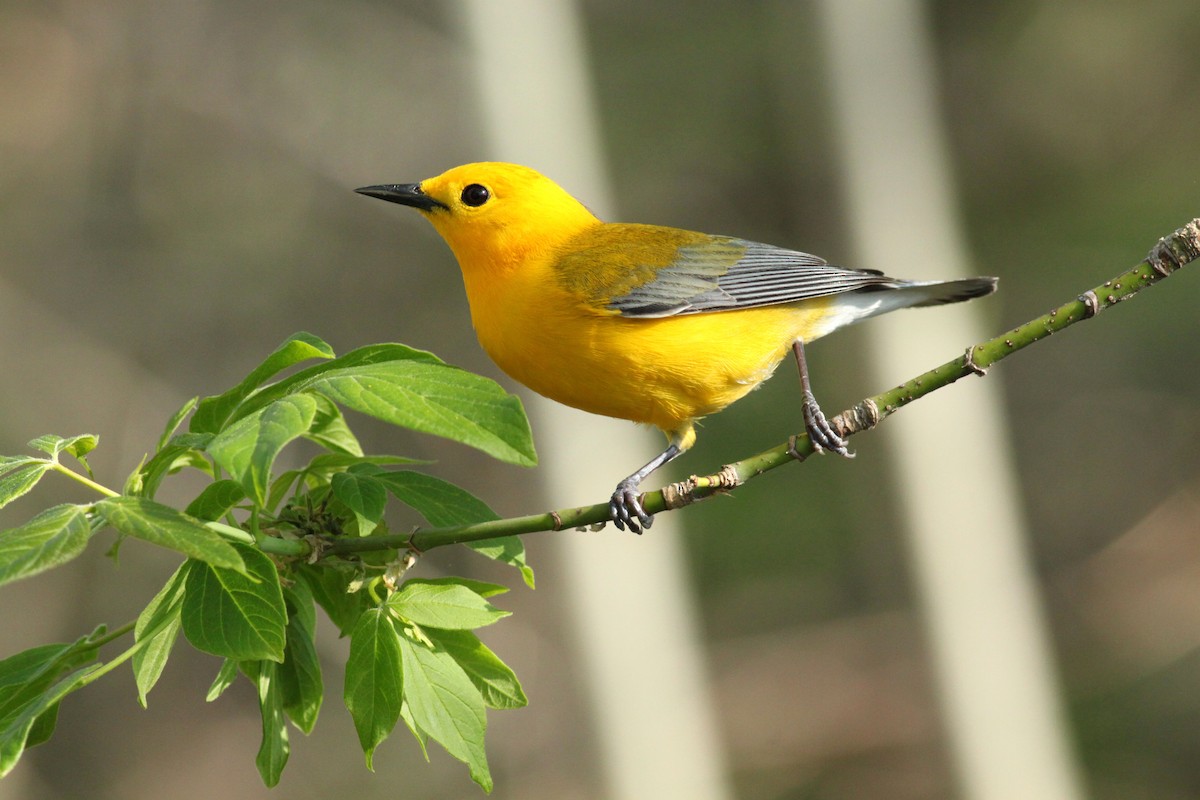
pixel 822 434
pixel 625 507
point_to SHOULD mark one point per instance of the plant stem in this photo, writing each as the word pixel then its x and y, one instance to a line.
pixel 109 666
pixel 113 635
pixel 1170 254
pixel 86 481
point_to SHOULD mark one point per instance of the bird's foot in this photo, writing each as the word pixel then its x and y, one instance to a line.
pixel 625 507
pixel 820 432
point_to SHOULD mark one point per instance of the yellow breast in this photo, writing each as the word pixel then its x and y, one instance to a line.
pixel 664 372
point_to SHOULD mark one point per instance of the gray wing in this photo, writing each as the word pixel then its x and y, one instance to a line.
pixel 724 273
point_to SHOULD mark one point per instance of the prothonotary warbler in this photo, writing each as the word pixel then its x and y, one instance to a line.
pixel 642 322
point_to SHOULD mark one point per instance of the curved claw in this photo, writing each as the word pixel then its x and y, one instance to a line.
pixel 625 508
pixel 822 434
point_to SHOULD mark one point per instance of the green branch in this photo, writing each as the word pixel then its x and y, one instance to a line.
pixel 1170 254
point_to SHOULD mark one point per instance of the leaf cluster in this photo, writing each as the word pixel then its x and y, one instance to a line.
pixel 257 544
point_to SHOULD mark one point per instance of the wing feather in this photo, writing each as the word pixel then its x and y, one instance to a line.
pixel 723 273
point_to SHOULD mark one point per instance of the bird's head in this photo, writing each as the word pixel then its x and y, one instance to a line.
pixel 493 215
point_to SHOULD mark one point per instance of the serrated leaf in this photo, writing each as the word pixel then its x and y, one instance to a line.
pixel 374 680
pixel 436 399
pixel 329 429
pixel 443 605
pixel 443 504
pixel 216 500
pixel 18 481
pixel 226 675
pixel 363 495
pixel 164 526
pixel 239 616
pixel 496 682
pixel 446 705
pixel 50 539
pixel 299 675
pixel 247 449
pixel 214 413
pixel 156 630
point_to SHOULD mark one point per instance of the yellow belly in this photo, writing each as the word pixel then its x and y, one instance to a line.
pixel 665 372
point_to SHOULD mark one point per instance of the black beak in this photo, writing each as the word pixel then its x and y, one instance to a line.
pixel 406 194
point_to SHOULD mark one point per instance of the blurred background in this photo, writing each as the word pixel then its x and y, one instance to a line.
pixel 176 198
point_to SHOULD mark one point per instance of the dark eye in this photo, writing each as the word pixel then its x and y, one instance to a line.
pixel 475 195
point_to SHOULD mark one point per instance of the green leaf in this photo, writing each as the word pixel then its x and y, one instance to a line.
pixel 371 354
pixel 164 526
pixel 27 726
pixel 329 429
pixel 299 599
pixel 443 504
pixel 437 399
pixel 156 630
pixel 43 727
pixel 175 421
pixel 299 676
pixel 216 500
pixel 19 476
pixel 443 605
pixel 247 449
pixel 214 413
pixel 330 588
pixel 77 446
pixel 281 487
pixel 492 677
pixel 50 539
pixel 374 680
pixel 273 751
pixel 328 463
pixel 411 724
pixel 507 550
pixel 183 450
pixel 481 588
pixel 28 673
pixel 239 616
pixel 30 690
pixel 225 678
pixel 446 705
pixel 363 495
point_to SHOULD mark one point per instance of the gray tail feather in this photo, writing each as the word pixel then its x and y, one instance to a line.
pixel 938 293
pixel 884 297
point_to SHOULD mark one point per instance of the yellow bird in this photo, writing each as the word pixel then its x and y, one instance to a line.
pixel 641 322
